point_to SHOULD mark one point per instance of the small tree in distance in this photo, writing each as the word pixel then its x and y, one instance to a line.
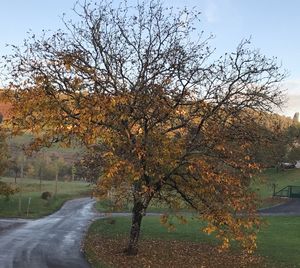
pixel 3 151
pixel 172 123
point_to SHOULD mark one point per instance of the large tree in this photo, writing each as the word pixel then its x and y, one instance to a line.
pixel 173 121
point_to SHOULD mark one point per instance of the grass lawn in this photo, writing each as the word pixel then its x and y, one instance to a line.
pixel 278 244
pixel 106 206
pixel 30 190
pixel 264 182
pixel 264 185
pixel 278 241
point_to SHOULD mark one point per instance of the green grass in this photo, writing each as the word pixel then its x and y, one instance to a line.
pixel 106 206
pixel 30 190
pixel 152 229
pixel 264 184
pixel 24 139
pixel 278 241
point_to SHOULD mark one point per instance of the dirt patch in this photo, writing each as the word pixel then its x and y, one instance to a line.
pixel 156 253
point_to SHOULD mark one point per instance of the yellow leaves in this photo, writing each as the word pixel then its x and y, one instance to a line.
pixel 245 146
pixel 209 229
pixel 167 221
pixel 68 60
pixel 39 79
pixel 247 157
pixel 68 66
pixel 192 168
pixel 164 219
pixel 225 243
pixel 147 189
pixel 182 219
pixel 181 111
pixel 8 189
pixel 220 147
pixel 77 82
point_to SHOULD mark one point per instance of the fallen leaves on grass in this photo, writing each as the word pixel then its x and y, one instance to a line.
pixel 156 253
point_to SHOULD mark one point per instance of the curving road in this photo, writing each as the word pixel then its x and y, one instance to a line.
pixel 53 241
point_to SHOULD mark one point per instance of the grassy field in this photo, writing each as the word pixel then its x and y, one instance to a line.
pixel 265 182
pixel 264 185
pixel 25 139
pixel 106 206
pixel 278 242
pixel 30 190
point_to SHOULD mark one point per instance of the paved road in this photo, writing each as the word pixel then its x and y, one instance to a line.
pixel 53 241
pixel 291 207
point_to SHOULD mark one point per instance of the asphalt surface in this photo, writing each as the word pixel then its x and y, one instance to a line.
pixel 53 241
pixel 290 208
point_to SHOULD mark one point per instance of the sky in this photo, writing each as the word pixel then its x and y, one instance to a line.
pixel 273 26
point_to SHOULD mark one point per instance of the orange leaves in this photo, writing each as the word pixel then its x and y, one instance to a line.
pixel 8 189
pixel 166 221
pixel 209 229
pixel 224 200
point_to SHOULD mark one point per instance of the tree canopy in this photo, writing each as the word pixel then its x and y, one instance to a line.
pixel 172 121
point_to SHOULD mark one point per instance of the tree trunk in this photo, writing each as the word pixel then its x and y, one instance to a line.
pixel 56 181
pixel 20 201
pixel 22 169
pixel 40 177
pixel 138 212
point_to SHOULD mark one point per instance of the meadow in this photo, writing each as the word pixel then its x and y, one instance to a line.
pixel 32 205
pixel 278 242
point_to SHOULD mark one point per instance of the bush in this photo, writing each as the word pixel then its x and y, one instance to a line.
pixel 46 195
pixel 7 190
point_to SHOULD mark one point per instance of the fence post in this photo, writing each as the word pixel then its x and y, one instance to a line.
pixel 29 200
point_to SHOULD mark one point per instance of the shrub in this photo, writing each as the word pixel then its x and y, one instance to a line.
pixel 46 195
pixel 7 189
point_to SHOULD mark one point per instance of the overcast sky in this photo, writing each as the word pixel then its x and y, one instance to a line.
pixel 273 26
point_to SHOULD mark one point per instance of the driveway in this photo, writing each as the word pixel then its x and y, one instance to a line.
pixel 53 241
pixel 290 208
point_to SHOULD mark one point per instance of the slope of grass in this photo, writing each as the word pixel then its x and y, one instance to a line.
pixel 152 229
pixel 278 241
pixel 264 185
pixel 106 206
pixel 32 205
